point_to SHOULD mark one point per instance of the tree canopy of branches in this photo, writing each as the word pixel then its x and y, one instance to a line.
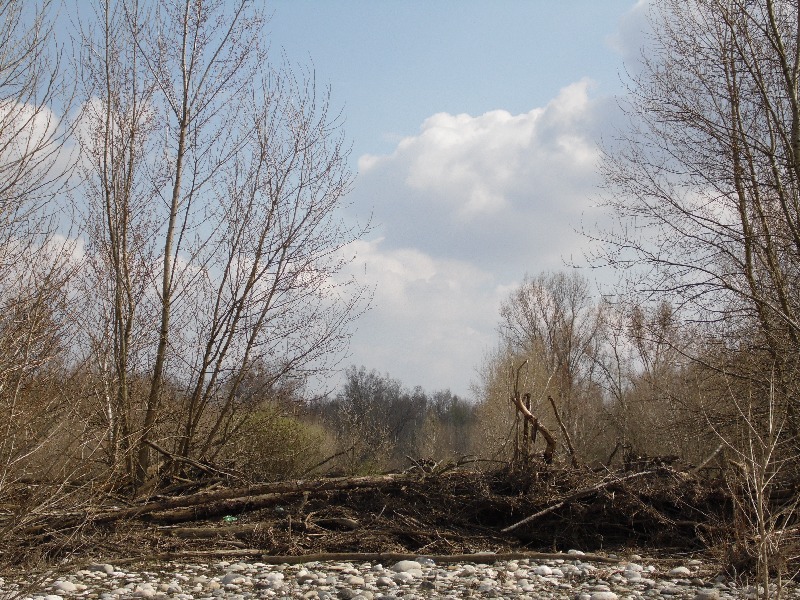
pixel 213 178
pixel 706 182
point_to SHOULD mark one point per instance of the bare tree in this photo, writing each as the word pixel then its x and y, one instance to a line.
pixel 705 180
pixel 706 185
pixel 552 320
pixel 652 387
pixel 118 121
pixel 218 183
pixel 37 263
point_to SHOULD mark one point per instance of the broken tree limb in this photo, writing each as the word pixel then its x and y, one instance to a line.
pixel 572 497
pixel 233 506
pixel 550 440
pixel 206 468
pixel 327 460
pixel 707 460
pixel 207 533
pixel 573 457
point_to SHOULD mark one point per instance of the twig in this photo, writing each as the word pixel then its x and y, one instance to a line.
pixel 710 457
pixel 327 460
pixel 189 461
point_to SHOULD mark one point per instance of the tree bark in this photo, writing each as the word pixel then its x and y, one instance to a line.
pixel 550 440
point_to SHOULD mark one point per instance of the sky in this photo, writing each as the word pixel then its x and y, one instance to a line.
pixel 474 128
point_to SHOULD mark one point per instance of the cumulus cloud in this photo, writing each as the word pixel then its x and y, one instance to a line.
pixel 35 147
pixel 465 208
pixel 492 188
pixel 430 315
pixel 632 34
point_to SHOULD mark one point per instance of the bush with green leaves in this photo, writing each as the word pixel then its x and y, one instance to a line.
pixel 274 444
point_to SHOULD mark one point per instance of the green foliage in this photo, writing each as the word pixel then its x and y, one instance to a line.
pixel 273 444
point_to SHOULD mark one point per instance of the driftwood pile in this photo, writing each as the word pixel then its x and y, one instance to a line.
pixel 443 512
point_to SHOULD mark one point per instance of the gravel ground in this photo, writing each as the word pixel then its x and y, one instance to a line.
pixel 568 577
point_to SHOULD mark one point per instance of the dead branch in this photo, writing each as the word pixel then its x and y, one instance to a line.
pixel 213 503
pixel 707 460
pixel 573 457
pixel 206 468
pixel 207 533
pixel 243 531
pixel 327 460
pixel 572 497
pixel 550 440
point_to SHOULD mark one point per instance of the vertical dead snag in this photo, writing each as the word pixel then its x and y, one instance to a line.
pixel 524 407
pixel 573 458
pixel 536 426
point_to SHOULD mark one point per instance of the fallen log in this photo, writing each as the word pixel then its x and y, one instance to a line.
pixel 239 497
pixel 478 558
pixel 207 533
pixel 244 531
pixel 234 506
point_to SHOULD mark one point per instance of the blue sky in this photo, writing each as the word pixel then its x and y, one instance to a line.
pixel 393 63
pixel 474 128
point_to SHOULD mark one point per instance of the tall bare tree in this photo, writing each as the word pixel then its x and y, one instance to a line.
pixel 553 320
pixel 706 179
pixel 706 184
pixel 37 262
pixel 214 189
pixel 119 121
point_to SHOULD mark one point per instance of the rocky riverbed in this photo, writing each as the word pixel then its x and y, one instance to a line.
pixel 572 576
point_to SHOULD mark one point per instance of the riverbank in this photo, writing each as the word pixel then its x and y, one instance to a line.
pixel 573 575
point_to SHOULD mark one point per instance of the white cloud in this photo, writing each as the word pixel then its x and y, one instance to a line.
pixel 35 148
pixel 24 127
pixel 479 166
pixel 632 34
pixel 493 189
pixel 465 208
pixel 431 318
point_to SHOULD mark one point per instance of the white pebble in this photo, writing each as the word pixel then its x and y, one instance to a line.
pixel 403 577
pixel 603 596
pixel 65 586
pixel 406 565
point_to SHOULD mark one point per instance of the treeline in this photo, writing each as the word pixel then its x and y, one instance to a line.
pixel 380 425
pixel 616 384
pixel 372 424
